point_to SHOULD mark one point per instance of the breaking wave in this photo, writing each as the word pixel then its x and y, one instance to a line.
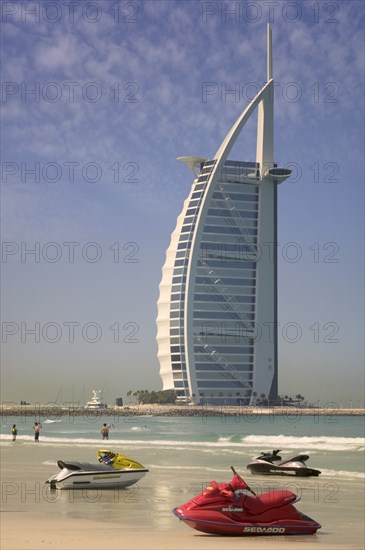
pixel 315 443
pixel 233 443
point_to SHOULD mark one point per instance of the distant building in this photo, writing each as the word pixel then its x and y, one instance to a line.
pixel 217 309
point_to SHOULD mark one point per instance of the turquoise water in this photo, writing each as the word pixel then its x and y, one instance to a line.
pixel 335 444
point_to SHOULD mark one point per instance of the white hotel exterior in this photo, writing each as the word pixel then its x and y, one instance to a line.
pixel 217 309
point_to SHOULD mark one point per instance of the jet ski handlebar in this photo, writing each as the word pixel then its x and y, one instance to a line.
pixel 270 457
pixel 242 481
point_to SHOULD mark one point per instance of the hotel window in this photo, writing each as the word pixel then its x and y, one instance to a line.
pixel 230 315
pixel 187 228
pixel 183 254
pixel 176 288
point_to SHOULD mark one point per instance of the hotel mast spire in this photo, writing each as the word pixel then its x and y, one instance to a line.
pixel 265 122
pixel 269 53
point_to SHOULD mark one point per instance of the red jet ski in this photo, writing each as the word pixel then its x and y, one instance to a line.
pixel 222 509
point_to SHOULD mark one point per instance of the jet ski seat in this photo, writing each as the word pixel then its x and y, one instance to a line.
pixel 297 458
pixel 276 499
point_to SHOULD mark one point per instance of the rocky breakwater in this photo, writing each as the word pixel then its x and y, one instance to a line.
pixel 53 412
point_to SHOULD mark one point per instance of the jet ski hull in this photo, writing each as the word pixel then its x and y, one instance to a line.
pixel 95 480
pixel 215 526
pixel 271 469
pixel 76 475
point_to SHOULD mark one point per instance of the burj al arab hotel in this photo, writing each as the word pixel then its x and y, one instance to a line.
pixel 217 309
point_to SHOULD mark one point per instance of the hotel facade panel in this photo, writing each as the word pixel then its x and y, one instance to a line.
pixel 217 310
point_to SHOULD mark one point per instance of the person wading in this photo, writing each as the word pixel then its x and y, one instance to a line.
pixel 37 428
pixel 105 431
pixel 14 432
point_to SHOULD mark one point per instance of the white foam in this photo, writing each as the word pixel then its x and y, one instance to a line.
pixel 140 428
pixel 255 442
pixel 323 443
pixel 187 468
pixel 343 473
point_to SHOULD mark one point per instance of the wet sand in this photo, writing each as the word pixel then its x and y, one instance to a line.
pixel 34 533
pixel 140 517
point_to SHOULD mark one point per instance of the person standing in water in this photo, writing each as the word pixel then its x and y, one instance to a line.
pixel 37 428
pixel 14 432
pixel 105 431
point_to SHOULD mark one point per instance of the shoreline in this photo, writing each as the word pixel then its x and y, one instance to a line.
pixel 140 517
pixel 46 411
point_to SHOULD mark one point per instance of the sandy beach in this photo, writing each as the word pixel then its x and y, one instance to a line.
pixel 77 534
pixel 140 517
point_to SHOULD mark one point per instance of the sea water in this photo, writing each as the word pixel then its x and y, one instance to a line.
pixel 183 454
pixel 334 443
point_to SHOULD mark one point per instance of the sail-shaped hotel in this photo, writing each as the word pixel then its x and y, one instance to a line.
pixel 217 309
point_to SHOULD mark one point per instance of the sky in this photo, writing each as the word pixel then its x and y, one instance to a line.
pixel 98 100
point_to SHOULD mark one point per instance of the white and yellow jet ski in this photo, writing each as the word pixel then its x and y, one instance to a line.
pixel 115 471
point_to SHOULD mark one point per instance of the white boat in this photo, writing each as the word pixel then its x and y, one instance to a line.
pixel 96 402
pixel 82 475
